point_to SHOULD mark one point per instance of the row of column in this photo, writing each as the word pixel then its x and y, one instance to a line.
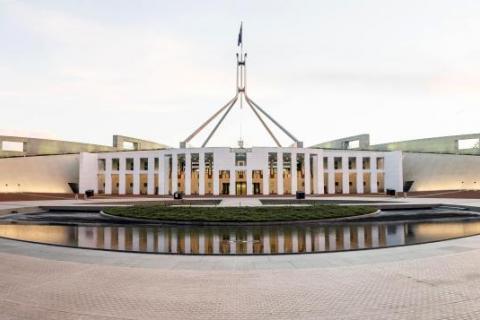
pixel 318 175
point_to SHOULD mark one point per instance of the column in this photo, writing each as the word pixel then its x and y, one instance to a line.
pixel 201 173
pixel 280 173
pixel 308 189
pixel 331 175
pixel 321 177
pixel 249 182
pixel 233 176
pixel 136 175
pixel 151 175
pixel 188 174
pixel 359 172
pixel 345 176
pixel 293 169
pixel 121 176
pixel 266 178
pixel 162 177
pixel 373 175
pixel 216 179
pixel 174 172
pixel 108 176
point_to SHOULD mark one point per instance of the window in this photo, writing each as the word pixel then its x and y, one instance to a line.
pixel 12 146
pixel 468 144
pixel 366 163
pixel 128 145
pixel 101 164
pixel 355 144
pixel 115 164
pixel 157 163
pixel 380 163
pixel 325 163
pixel 129 163
pixel 352 163
pixel 240 159
pixel 144 163
pixel 337 161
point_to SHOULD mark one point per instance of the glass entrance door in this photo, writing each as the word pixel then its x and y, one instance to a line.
pixel 241 188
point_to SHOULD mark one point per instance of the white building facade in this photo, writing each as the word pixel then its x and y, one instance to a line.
pixel 240 172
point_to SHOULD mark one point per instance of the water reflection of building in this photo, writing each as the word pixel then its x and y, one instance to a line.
pixel 242 241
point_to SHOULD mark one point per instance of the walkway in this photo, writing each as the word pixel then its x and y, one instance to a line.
pixel 433 281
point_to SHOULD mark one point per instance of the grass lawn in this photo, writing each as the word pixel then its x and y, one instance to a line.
pixel 238 214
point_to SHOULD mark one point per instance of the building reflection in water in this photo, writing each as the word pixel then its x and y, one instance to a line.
pixel 241 240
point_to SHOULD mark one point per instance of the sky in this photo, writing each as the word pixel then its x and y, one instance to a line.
pixel 85 70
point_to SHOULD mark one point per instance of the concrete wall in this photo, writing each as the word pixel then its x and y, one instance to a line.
pixel 447 144
pixel 35 146
pixel 39 174
pixel 441 171
pixel 342 143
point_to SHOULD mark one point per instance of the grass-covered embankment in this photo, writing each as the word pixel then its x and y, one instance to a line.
pixel 239 214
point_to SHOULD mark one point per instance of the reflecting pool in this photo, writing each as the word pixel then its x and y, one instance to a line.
pixel 249 240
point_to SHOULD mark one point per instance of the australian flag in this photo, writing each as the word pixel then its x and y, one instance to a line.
pixel 240 35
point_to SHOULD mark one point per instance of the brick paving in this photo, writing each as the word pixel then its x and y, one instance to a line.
pixel 444 284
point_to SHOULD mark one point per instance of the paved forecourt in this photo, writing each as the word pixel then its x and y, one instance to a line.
pixel 431 281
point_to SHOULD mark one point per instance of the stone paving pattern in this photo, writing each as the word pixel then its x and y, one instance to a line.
pixel 433 281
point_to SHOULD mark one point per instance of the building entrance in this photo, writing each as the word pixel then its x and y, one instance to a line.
pixel 225 188
pixel 241 188
pixel 256 188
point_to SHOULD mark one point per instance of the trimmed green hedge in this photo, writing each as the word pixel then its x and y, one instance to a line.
pixel 239 214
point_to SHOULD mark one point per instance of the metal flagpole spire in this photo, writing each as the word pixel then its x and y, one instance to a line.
pixel 241 95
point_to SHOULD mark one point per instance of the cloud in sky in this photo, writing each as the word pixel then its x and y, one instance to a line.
pixel 157 69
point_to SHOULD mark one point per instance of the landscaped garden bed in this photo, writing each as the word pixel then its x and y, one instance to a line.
pixel 239 214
